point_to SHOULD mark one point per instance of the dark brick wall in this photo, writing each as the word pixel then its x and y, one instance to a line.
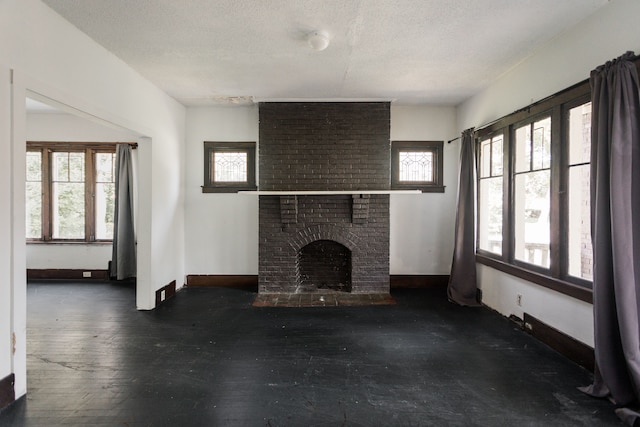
pixel 323 218
pixel 324 146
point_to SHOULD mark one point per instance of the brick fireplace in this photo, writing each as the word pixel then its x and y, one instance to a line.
pixel 320 227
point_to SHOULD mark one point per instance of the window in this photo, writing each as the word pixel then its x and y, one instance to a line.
pixel 490 194
pixel 67 195
pixel 532 189
pixel 70 192
pixel 580 256
pixel 417 165
pixel 34 195
pixel 229 167
pixel 533 193
pixel 105 194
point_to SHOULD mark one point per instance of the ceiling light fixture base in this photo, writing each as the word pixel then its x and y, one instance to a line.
pixel 318 40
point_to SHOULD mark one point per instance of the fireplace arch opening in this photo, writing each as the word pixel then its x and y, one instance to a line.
pixel 323 265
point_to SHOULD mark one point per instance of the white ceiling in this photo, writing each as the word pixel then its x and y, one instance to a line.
pixel 204 52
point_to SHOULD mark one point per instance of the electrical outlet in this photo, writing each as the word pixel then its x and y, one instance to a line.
pixel 519 300
pixel 162 295
pixel 86 274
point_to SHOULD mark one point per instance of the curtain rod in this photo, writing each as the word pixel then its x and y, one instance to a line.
pixel 630 56
pixel 458 137
pixel 76 144
pixel 528 107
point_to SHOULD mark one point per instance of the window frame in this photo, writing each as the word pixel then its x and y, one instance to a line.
pixel 435 147
pixel 90 174
pixel 564 190
pixel 555 277
pixel 212 147
pixel 505 177
pixel 513 173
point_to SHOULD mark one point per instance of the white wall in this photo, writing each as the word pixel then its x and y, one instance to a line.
pixel 52 58
pixel 422 226
pixel 73 256
pixel 6 238
pixel 70 128
pixel 499 291
pixel 565 61
pixel 221 229
pixel 65 127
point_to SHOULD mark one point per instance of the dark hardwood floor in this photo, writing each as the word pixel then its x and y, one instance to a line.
pixel 208 358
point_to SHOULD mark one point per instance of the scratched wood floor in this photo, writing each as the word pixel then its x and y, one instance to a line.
pixel 208 358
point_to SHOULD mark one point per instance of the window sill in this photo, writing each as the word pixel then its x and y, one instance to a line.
pixel 326 192
pixel 426 188
pixel 229 189
pixel 565 288
pixel 69 242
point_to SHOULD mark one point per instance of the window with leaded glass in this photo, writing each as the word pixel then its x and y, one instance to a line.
pixel 417 165
pixel 229 167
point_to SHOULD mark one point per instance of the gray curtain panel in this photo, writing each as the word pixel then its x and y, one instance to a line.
pixel 462 287
pixel 615 230
pixel 123 260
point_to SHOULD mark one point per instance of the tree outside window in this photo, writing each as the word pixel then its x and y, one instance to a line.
pixel 70 192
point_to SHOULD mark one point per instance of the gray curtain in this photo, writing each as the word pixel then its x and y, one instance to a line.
pixel 462 287
pixel 615 230
pixel 123 259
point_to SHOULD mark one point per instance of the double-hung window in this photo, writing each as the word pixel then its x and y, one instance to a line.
pixel 70 192
pixel 490 189
pixel 533 193
pixel 578 174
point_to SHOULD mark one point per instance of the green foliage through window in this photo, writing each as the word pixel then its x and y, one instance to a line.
pixel 70 192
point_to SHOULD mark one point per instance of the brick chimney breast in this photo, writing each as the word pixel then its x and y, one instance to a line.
pixel 327 147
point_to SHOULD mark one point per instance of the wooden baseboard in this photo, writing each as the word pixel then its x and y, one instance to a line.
pixel 419 281
pixel 7 390
pixel 569 347
pixel 169 291
pixel 237 280
pixel 67 273
pixel 249 280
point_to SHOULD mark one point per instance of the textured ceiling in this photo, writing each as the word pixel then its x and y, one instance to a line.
pixel 205 52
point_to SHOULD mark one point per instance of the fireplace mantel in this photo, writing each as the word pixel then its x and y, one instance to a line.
pixel 326 192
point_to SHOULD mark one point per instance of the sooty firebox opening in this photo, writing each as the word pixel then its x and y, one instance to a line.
pixel 324 265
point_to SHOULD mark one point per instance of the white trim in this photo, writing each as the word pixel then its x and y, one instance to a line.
pixel 326 192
